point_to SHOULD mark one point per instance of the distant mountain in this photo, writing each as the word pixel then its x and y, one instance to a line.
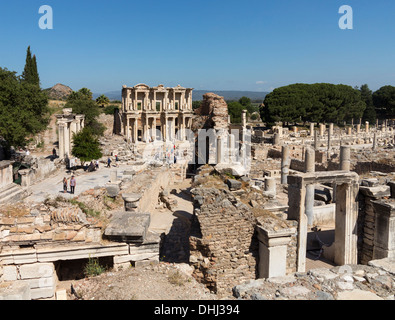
pixel 230 95
pixel 59 92
pixel 112 95
pixel 198 94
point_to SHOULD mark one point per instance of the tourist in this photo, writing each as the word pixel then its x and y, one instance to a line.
pixel 73 183
pixel 116 160
pixel 64 185
pixel 108 162
pixel 97 164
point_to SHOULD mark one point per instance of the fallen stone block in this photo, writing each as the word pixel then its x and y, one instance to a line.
pixel 234 184
pixel 376 192
pixel 129 227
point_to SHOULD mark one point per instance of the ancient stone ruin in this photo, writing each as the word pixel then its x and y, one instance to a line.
pixel 256 212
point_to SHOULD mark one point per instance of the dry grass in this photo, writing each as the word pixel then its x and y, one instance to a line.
pixel 176 278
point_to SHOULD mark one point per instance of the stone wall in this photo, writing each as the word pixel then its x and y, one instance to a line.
pixel 223 247
pixel 367 219
pixel 48 225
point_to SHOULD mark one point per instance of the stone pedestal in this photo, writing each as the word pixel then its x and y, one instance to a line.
pixel 273 251
pixel 131 201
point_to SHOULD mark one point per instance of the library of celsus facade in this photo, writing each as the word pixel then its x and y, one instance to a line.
pixel 156 113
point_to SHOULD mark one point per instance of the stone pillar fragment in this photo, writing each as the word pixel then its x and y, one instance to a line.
pixel 285 162
pixel 345 158
pixel 270 186
pixel 310 188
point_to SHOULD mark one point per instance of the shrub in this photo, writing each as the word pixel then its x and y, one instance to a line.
pixel 93 268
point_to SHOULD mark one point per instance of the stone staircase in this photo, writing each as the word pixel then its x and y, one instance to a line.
pixel 12 193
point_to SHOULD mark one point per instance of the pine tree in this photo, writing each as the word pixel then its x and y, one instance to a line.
pixel 367 96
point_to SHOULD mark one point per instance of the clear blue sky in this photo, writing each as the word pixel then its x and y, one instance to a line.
pixel 254 45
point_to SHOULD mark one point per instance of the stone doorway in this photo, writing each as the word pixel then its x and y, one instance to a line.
pixel 344 247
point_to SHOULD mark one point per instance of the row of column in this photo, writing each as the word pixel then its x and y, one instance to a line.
pixel 168 128
pixel 185 103
pixel 322 128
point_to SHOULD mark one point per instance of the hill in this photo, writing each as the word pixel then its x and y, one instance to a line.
pixel 59 92
pixel 198 94
pixel 231 95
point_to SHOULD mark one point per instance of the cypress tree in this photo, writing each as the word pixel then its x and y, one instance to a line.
pixel 27 74
pixel 35 76
pixel 30 73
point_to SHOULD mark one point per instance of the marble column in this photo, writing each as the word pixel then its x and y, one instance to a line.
pixel 61 140
pixel 311 129
pixel 67 139
pixel 331 129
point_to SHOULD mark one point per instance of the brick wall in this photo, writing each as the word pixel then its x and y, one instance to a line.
pixel 223 248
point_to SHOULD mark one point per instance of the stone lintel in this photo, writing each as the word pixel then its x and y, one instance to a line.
pixel 337 177
pixel 47 254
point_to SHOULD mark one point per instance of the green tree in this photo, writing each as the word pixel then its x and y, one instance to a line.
pixel 384 101
pixel 24 109
pixel 82 94
pixel 320 102
pixel 196 104
pixel 86 145
pixel 367 96
pixel 102 100
pixel 235 109
pixel 245 101
pixel 30 72
pixel 81 103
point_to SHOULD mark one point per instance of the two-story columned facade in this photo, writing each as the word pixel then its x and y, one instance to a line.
pixel 156 113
